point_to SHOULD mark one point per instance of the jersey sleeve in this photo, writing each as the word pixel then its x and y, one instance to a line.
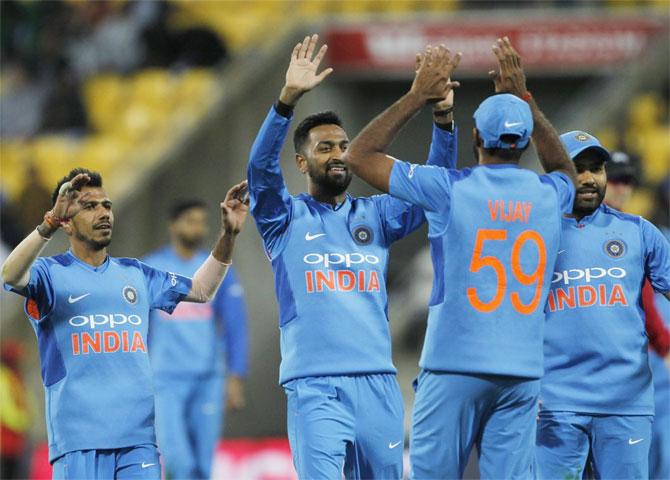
pixel 656 257
pixel 269 199
pixel 400 218
pixel 39 289
pixel 564 187
pixel 443 147
pixel 166 289
pixel 427 186
pixel 231 312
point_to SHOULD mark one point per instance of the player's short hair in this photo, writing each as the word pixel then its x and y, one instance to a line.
pixel 95 180
pixel 184 204
pixel 302 130
pixel 507 154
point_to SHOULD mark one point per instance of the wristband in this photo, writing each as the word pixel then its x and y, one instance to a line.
pixel 445 112
pixel 53 221
pixel 527 96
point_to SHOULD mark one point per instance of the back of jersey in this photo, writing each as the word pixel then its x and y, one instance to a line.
pixel 494 232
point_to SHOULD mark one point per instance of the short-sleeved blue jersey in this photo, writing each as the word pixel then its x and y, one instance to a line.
pixel 329 263
pixel 91 325
pixel 596 358
pixel 494 232
pixel 195 338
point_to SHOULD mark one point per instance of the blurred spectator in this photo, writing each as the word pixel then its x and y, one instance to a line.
pixel 623 172
pixel 63 110
pixel 661 216
pixel 33 201
pixel 15 412
pixel 10 231
pixel 189 47
pixel 22 100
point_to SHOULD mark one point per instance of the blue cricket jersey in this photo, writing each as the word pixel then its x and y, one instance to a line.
pixel 595 346
pixel 196 337
pixel 91 325
pixel 494 232
pixel 329 263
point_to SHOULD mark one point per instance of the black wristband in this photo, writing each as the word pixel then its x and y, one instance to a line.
pixel 447 127
pixel 283 109
pixel 445 112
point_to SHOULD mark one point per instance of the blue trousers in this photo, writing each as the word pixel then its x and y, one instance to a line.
pixel 351 425
pixel 453 412
pixel 618 444
pixel 189 412
pixel 138 462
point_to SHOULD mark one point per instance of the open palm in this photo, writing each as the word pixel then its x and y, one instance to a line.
pixel 301 75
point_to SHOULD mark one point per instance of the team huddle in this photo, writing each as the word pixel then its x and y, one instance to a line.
pixel 535 351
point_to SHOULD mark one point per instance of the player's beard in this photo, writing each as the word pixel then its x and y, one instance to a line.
pixel 93 243
pixel 583 208
pixel 329 185
pixel 191 242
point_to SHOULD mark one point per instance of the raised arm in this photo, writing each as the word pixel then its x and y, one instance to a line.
pixel 16 269
pixel 208 277
pixel 444 143
pixel 510 78
pixel 270 201
pixel 366 155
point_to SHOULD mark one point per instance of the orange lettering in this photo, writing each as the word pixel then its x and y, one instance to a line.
pixel 92 343
pixel 493 210
pixel 138 343
pixel 374 282
pixel 346 280
pixel 111 341
pixel 582 290
pixel 75 344
pixel 322 280
pixel 617 296
pixel 564 298
pixel 309 281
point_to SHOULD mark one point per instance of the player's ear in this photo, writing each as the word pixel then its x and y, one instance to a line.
pixel 301 163
pixel 476 138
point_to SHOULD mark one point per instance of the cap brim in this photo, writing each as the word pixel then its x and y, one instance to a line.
pixel 604 154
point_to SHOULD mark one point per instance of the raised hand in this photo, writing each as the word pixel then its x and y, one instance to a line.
pixel 301 74
pixel 234 208
pixel 432 78
pixel 510 77
pixel 68 202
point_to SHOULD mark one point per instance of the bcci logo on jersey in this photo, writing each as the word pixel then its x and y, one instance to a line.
pixel 362 235
pixel 130 294
pixel 615 248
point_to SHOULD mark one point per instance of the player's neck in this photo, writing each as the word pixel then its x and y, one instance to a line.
pixel 183 251
pixel 489 160
pixel 324 197
pixel 83 252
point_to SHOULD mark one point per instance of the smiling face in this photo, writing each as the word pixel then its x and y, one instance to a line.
pixel 591 183
pixel 93 224
pixel 321 159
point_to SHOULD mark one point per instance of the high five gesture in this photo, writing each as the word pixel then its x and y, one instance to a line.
pixel 301 76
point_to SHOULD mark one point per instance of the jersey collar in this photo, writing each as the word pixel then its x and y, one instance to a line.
pixel 100 269
pixel 587 219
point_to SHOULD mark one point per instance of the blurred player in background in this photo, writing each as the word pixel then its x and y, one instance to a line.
pixel 597 389
pixel 494 232
pixel 90 312
pixel 191 349
pixel 329 252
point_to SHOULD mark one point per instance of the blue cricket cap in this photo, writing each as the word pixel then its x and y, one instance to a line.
pixel 576 142
pixel 504 114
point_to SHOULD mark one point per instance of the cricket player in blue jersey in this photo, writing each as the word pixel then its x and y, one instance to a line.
pixel 597 393
pixel 90 312
pixel 494 232
pixel 329 252
pixel 187 350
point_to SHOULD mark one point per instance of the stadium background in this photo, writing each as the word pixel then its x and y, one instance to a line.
pixel 165 99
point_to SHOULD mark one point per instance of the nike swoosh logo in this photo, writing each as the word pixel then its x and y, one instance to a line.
pixel 147 465
pixel 72 299
pixel 515 124
pixel 633 442
pixel 309 237
pixel 393 445
pixel 561 251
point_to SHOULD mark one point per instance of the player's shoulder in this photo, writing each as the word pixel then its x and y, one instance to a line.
pixel 127 262
pixel 63 259
pixel 622 216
